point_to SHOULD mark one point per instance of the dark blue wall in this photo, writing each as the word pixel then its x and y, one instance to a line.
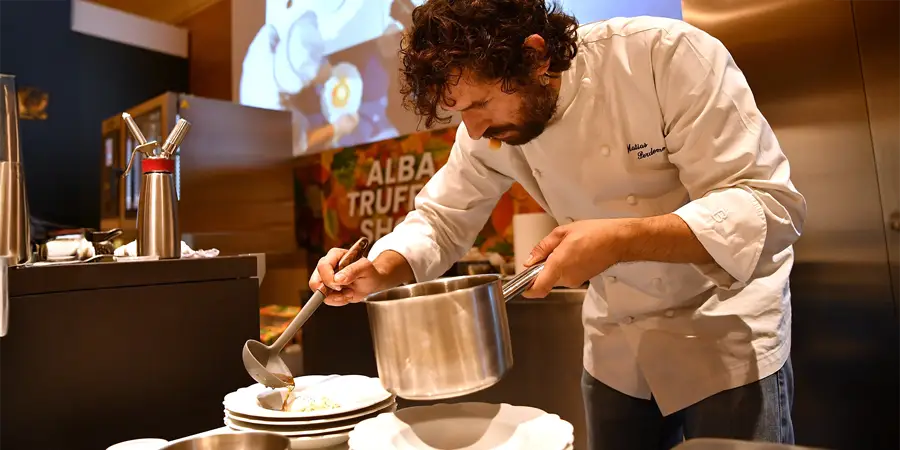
pixel 88 80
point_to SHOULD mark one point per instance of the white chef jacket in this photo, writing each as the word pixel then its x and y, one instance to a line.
pixel 654 117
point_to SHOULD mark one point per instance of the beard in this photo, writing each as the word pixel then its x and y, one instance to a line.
pixel 537 109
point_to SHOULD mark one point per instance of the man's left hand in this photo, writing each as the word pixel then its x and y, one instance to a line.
pixel 577 252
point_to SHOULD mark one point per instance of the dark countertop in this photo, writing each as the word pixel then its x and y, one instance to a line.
pixel 29 280
pixel 107 352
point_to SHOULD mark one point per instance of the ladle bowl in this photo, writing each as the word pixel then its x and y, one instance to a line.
pixel 263 362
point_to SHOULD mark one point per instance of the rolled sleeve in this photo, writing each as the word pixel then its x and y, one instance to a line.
pixel 743 208
pixel 449 212
pixel 420 252
pixel 731 225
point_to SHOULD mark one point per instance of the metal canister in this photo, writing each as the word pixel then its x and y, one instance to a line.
pixel 158 232
pixel 15 221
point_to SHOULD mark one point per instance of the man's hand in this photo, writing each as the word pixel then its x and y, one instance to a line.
pixel 580 251
pixel 359 279
pixel 575 253
pixel 350 285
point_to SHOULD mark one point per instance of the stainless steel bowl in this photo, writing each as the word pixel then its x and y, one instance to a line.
pixel 234 441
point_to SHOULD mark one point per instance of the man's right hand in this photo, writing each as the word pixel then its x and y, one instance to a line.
pixel 361 278
pixel 350 285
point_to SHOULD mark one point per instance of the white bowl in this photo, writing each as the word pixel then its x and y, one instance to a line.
pixel 473 426
pixel 140 444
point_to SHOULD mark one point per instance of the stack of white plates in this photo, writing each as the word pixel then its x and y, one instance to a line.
pixel 356 398
pixel 470 426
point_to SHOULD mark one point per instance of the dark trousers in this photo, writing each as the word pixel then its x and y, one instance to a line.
pixel 760 411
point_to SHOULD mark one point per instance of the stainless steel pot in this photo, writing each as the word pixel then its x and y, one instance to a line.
pixel 444 338
pixel 233 441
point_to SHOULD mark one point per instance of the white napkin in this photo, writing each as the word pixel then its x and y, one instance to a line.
pixel 130 249
pixel 69 247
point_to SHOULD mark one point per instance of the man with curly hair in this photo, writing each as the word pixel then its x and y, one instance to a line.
pixel 641 137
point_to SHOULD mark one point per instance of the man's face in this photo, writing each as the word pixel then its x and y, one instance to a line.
pixel 488 112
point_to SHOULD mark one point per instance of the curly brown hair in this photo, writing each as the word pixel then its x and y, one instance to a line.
pixel 484 37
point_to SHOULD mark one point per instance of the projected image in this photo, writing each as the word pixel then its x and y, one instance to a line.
pixel 333 64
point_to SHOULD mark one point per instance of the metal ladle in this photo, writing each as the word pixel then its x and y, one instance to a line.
pixel 263 362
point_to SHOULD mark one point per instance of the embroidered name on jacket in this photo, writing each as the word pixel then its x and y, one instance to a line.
pixel 635 147
pixel 641 153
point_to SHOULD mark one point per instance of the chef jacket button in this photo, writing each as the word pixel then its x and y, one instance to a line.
pixel 604 150
pixel 670 313
pixel 611 279
pixel 586 81
pixel 628 320
pixel 569 220
pixel 536 172
pixel 632 200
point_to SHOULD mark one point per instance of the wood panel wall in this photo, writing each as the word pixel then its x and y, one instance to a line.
pixel 210 51
pixel 166 11
pixel 210 77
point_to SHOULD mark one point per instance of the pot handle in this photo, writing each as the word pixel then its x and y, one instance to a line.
pixel 521 282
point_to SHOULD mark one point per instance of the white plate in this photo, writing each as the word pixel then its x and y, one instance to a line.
pixel 303 431
pixel 358 415
pixel 320 438
pixel 351 392
pixel 470 426
pixel 290 432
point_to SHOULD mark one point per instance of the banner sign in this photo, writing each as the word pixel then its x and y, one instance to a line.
pixel 367 190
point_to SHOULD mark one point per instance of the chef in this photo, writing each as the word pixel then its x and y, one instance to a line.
pixel 641 137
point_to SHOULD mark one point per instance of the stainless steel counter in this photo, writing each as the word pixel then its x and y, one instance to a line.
pixel 547 346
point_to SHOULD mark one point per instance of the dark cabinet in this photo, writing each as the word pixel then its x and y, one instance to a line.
pixel 101 353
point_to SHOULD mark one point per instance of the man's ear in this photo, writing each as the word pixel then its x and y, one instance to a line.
pixel 537 44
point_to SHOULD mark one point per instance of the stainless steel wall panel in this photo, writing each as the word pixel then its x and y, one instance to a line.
pixel 878 35
pixel 803 62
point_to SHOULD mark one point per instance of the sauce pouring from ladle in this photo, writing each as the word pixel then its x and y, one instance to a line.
pixel 263 362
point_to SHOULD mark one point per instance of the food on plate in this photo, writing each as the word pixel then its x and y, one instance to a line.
pixel 309 403
pixel 287 400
